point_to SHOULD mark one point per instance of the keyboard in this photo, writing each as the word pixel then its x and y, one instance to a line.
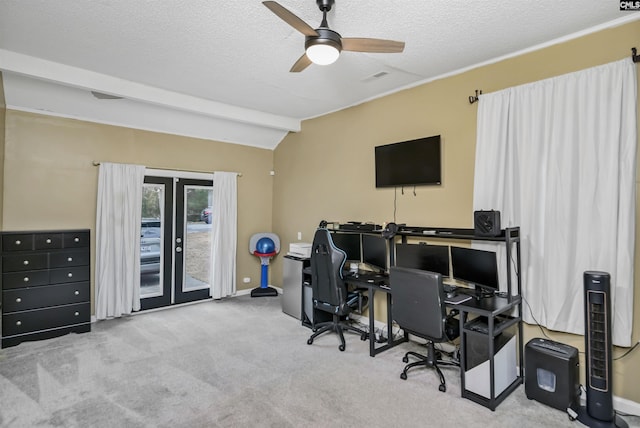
pixel 368 276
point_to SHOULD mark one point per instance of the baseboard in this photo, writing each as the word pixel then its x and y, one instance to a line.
pixel 620 405
pixel 379 326
pixel 238 293
pixel 626 407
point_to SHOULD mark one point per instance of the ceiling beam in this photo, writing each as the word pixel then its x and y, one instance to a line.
pixel 92 81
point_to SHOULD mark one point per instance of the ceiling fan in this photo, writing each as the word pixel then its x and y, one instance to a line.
pixel 323 45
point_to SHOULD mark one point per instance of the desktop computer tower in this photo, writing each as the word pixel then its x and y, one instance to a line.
pixel 551 373
pixel 311 316
pixel 476 357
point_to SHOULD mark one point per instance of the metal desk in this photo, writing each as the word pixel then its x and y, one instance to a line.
pixel 372 287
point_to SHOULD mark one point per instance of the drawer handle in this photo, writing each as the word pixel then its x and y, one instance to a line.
pixel 18 322
pixel 26 262
pixel 69 259
pixel 76 313
pixel 48 241
pixel 76 239
pixel 70 275
pixel 77 293
pixel 18 300
pixel 18 242
pixel 26 279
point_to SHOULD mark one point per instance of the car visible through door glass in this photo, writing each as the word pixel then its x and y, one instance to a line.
pixel 205 215
pixel 150 246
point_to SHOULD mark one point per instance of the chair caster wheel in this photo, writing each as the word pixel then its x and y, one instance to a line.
pixel 363 337
pixel 341 348
pixel 405 359
pixel 442 388
pixel 403 376
pixel 310 341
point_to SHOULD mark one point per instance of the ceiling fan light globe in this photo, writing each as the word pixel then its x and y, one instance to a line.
pixel 322 54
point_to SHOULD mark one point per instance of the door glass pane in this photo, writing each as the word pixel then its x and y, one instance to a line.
pixel 151 240
pixel 197 242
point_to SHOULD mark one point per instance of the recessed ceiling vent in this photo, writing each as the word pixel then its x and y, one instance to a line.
pixel 375 76
pixel 103 96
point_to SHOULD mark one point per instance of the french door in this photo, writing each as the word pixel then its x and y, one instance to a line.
pixel 175 241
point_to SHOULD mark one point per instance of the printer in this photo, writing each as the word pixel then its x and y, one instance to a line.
pixel 300 249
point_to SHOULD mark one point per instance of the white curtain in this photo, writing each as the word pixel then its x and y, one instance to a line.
pixel 118 239
pixel 558 158
pixel 225 234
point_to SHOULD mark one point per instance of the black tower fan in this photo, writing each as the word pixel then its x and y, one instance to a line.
pixel 598 413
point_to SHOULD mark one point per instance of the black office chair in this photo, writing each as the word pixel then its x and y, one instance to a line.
pixel 330 292
pixel 419 309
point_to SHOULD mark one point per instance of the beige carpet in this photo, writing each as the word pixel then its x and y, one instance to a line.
pixel 239 362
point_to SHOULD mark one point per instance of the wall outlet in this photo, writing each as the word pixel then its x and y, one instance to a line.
pixel 246 280
pixel 299 236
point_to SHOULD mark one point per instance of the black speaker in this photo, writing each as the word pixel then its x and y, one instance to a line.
pixel 486 223
pixel 552 374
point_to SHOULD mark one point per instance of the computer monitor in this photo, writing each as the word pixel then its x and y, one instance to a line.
pixel 477 267
pixel 349 243
pixel 432 258
pixel 374 252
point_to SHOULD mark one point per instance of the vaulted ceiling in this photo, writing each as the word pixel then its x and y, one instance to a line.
pixel 219 69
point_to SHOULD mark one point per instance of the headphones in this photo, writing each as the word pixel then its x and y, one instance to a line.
pixel 390 231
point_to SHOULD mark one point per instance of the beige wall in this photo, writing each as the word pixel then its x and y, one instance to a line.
pixel 327 170
pixel 51 183
pixel 323 172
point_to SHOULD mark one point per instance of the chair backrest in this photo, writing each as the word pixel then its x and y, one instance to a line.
pixel 327 262
pixel 418 302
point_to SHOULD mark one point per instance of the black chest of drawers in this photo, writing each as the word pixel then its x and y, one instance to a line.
pixel 45 284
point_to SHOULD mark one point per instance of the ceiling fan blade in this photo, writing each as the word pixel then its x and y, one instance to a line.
pixel 302 63
pixel 355 44
pixel 291 19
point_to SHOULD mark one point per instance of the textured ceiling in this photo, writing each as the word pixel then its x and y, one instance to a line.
pixel 222 66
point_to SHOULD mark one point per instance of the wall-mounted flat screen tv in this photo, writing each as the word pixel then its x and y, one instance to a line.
pixel 409 163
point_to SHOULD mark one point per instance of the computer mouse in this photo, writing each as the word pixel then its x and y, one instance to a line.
pixel 451 294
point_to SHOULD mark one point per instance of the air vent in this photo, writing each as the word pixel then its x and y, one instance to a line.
pixel 597 340
pixel 375 76
pixel 103 96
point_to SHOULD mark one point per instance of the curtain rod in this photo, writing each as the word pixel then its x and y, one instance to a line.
pixel 473 99
pixel 634 57
pixel 96 163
